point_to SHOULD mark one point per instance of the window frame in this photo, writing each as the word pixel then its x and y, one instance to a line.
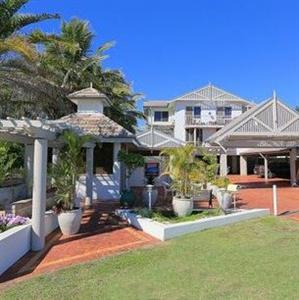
pixel 162 114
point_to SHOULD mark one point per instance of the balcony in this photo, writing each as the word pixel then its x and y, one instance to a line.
pixel 220 120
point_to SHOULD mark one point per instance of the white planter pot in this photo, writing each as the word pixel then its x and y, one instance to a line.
pixel 70 221
pixel 182 207
pixel 224 199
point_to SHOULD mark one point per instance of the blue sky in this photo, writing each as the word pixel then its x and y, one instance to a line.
pixel 166 48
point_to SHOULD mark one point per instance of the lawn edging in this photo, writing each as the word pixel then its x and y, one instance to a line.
pixel 165 232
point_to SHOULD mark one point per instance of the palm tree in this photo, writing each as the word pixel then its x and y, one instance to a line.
pixel 12 22
pixel 66 64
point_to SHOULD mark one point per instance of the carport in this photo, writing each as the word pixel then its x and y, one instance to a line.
pixel 270 126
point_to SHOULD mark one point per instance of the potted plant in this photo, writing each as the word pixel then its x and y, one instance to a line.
pixel 223 196
pixel 65 174
pixel 203 175
pixel 180 165
pixel 131 161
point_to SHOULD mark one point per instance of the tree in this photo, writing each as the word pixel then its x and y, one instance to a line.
pixel 66 64
pixel 12 22
pixel 297 108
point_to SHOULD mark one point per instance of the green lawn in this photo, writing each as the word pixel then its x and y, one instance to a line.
pixel 257 259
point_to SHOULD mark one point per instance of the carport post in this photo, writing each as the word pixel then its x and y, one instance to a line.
pixel 275 200
pixel 293 158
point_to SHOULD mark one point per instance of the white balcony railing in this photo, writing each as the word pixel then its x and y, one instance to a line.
pixel 220 120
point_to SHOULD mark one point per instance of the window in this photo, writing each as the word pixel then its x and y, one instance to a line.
pixel 161 116
pixel 197 112
pixel 227 112
pixel 103 159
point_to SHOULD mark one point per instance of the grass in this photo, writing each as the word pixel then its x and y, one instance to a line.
pixel 256 259
pixel 169 217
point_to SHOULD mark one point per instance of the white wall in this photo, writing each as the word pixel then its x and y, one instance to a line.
pixel 137 177
pixel 207 132
pixel 150 118
pixel 90 106
pixel 179 119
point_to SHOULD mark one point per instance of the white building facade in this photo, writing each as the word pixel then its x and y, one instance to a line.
pixel 195 116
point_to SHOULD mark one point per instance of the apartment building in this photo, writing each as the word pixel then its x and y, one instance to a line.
pixel 195 116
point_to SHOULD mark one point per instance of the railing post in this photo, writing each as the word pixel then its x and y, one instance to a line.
pixel 275 212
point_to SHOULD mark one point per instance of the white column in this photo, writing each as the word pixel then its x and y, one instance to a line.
pixel 266 168
pixel 55 155
pixel 223 164
pixel 234 164
pixel 194 136
pixel 293 158
pixel 243 165
pixel 28 165
pixel 116 168
pixel 89 173
pixel 39 194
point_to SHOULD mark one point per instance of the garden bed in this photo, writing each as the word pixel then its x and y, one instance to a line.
pixel 165 231
pixel 16 241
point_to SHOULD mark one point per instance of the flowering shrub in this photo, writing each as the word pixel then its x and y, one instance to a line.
pixel 8 221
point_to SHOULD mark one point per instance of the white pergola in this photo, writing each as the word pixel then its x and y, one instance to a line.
pixel 36 135
pixel 271 125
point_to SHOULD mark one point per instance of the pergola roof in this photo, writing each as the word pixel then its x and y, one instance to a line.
pixel 97 125
pixel 25 131
pixel 155 139
pixel 271 124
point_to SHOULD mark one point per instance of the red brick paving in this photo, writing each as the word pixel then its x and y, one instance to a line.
pixel 101 234
pixel 256 193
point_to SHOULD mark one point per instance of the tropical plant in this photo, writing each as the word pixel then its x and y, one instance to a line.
pixel 66 171
pixel 206 169
pixel 180 165
pixel 11 158
pixel 131 160
pixel 12 22
pixel 65 64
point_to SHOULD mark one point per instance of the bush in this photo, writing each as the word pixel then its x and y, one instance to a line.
pixel 221 182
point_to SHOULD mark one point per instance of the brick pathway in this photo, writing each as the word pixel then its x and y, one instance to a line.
pixel 256 193
pixel 101 234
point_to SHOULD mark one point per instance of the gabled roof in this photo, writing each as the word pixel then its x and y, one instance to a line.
pixel 156 103
pixel 212 93
pixel 87 94
pixel 205 94
pixel 155 139
pixel 270 124
pixel 95 124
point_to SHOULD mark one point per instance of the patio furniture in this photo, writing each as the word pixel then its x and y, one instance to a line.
pixel 202 195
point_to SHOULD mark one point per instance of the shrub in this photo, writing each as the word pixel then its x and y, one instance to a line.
pixel 221 182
